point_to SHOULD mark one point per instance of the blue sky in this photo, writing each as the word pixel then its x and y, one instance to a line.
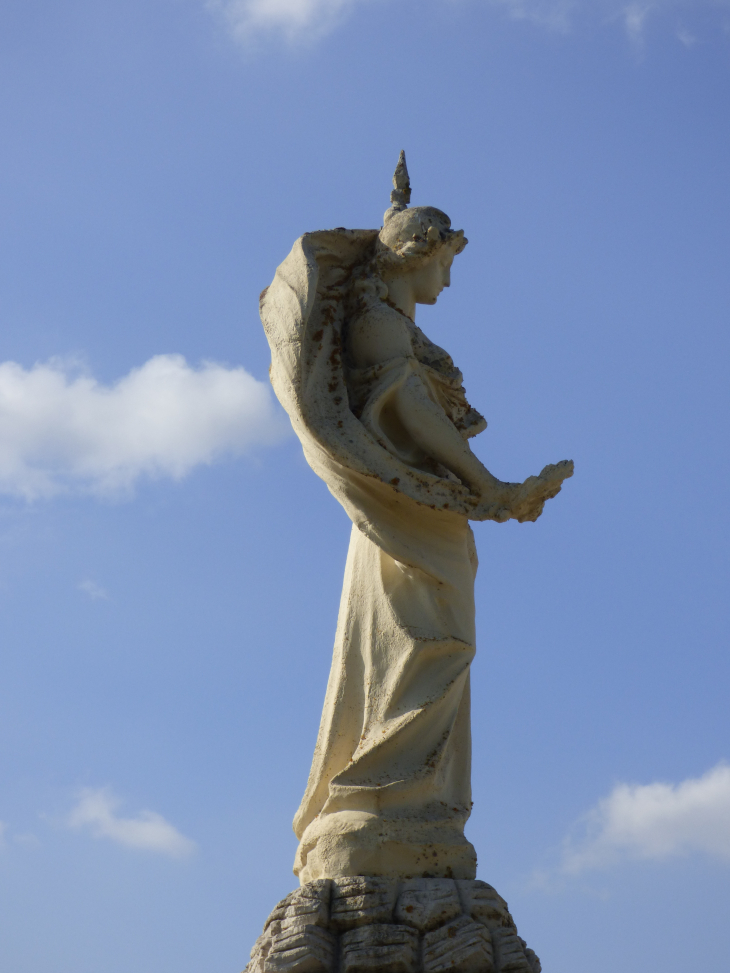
pixel 170 568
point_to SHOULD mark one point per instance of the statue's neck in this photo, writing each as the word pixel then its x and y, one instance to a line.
pixel 401 297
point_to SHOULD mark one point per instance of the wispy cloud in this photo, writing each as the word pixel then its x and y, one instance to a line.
pixel 149 831
pixel 654 822
pixel 553 14
pixel 686 37
pixel 304 19
pixel 27 840
pixel 634 18
pixel 93 590
pixel 63 432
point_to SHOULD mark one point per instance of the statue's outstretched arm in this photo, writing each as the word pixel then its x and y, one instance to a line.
pixel 430 427
pixel 378 337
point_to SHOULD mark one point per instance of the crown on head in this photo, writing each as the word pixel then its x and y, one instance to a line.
pixel 400 196
pixel 418 229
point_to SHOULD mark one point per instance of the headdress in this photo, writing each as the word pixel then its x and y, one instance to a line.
pixel 400 196
pixel 418 230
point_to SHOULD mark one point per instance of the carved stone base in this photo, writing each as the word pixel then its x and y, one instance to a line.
pixel 377 925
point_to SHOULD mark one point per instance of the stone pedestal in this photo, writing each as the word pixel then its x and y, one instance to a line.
pixel 376 925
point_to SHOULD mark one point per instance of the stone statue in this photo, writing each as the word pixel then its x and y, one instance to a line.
pixel 384 420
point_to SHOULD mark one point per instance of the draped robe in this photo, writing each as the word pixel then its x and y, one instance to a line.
pixel 389 790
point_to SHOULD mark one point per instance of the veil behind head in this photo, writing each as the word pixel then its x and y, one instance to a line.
pixel 303 313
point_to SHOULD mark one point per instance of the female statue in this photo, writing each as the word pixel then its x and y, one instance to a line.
pixel 383 419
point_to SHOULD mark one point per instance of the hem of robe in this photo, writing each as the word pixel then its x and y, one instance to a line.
pixel 348 843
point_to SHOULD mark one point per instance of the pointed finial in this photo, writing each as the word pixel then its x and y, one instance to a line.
pixel 401 195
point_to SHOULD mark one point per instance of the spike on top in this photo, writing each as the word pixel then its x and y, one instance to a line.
pixel 401 194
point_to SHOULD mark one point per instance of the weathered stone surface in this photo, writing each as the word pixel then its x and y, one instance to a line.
pixel 461 946
pixel 357 901
pixel 427 903
pixel 300 947
pixel 482 902
pixel 260 950
pixel 279 910
pixel 379 948
pixel 311 900
pixel 510 953
pixel 375 925
pixel 532 958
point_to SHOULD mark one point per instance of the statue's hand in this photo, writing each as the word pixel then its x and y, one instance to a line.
pixel 524 501
pixel 531 497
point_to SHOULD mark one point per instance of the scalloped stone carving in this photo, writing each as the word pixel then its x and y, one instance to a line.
pixel 376 925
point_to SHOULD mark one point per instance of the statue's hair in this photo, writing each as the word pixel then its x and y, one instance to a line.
pixel 413 235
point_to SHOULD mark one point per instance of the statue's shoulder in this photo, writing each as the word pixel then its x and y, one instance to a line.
pixel 377 333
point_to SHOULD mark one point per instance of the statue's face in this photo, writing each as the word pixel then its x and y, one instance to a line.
pixel 429 278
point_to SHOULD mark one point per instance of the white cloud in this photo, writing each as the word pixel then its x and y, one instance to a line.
pixel 93 590
pixel 655 821
pixel 149 831
pixel 62 432
pixel 294 18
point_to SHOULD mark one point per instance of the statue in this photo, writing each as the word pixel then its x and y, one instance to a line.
pixel 384 420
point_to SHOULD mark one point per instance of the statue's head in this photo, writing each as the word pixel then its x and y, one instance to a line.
pixel 411 235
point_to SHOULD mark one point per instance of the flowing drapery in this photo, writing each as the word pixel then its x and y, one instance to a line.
pixel 389 789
